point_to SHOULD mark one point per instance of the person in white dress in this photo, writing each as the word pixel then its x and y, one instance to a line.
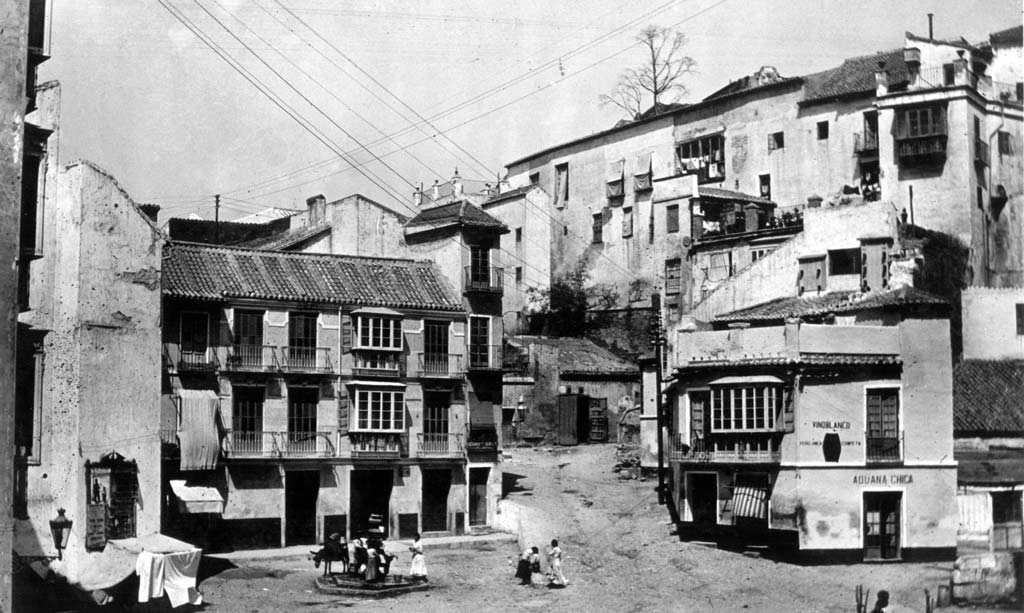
pixel 555 565
pixel 418 568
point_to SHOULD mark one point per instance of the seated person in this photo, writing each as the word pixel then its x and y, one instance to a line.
pixel 360 558
pixel 335 549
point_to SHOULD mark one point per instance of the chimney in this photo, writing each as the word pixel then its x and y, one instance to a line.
pixel 881 80
pixel 417 196
pixel 435 192
pixel 931 33
pixel 792 337
pixel 316 207
pixel 960 72
pixel 456 184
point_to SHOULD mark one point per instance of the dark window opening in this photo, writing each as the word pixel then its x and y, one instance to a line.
pixel 844 261
pixel 704 157
pixel 672 218
pixel 561 184
pixel 765 185
pixel 1005 143
pixel 1006 507
pixel 776 141
pixel 822 130
pixel 948 74
pixel 598 230
pixel 1020 320
pixel 534 178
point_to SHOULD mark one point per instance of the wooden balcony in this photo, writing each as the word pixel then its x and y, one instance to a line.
pixel 440 446
pixel 372 363
pixel 306 359
pixel 279 444
pixel 251 358
pixel 757 449
pixel 440 365
pixel 865 143
pixel 483 439
pixel 485 358
pixel 483 279
pixel 375 445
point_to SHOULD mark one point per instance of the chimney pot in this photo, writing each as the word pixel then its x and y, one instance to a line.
pixel 436 191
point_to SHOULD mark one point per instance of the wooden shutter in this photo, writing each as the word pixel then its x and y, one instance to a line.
pixel 874 415
pixel 789 402
pixel 343 410
pixel 890 414
pixel 698 408
pixel 346 333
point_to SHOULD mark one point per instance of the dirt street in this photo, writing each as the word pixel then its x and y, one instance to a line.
pixel 619 556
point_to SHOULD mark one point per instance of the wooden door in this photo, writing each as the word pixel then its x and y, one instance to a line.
pixel 567 411
pixel 882 525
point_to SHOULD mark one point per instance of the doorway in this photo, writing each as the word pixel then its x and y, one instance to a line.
pixel 478 496
pixel 301 488
pixel 882 525
pixel 702 495
pixel 436 486
pixel 370 494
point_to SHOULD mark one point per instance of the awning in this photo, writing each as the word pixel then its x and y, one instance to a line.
pixel 743 380
pixel 481 414
pixel 615 171
pixel 197 498
pixel 377 311
pixel 750 502
pixel 198 433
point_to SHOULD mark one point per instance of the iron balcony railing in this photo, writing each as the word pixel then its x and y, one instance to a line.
pixel 279 444
pixel 483 438
pixel 485 357
pixel 306 359
pixel 203 360
pixel 377 363
pixel 440 445
pixel 755 450
pixel 487 279
pixel 884 449
pixel 440 364
pixel 375 445
pixel 251 357
pixel 865 142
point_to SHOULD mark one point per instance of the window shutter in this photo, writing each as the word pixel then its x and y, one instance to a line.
pixel 697 410
pixel 346 333
pixel 788 421
pixel 343 410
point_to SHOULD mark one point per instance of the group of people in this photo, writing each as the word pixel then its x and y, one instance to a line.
pixel 528 570
pixel 370 559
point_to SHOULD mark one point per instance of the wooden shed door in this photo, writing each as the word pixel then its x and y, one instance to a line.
pixel 567 420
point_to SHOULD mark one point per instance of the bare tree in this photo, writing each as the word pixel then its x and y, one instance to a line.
pixel 659 77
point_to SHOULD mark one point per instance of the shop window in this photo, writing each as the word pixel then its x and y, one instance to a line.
pixel 822 130
pixel 776 140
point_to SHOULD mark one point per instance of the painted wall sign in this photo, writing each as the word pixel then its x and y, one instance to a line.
pixel 883 479
pixel 831 425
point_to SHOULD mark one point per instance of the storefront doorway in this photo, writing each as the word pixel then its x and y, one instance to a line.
pixel 301 488
pixel 882 525
pixel 370 494
pixel 478 496
pixel 702 496
pixel 436 486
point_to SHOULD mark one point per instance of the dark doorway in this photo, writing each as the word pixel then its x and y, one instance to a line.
pixel 882 525
pixel 478 496
pixel 436 486
pixel 301 489
pixel 370 494
pixel 702 491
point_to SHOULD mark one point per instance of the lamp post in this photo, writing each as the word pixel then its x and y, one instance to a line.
pixel 60 527
pixel 658 340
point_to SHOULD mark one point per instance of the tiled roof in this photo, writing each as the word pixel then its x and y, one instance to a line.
pixel 855 76
pixel 1009 36
pixel 728 194
pixel 765 77
pixel 988 396
pixel 808 359
pixel 832 302
pixel 461 213
pixel 207 272
pixel 579 356
pixel 286 239
pixel 512 193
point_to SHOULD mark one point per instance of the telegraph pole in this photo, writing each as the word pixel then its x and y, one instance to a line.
pixel 658 340
pixel 216 219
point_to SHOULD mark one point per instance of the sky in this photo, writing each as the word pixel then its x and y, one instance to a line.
pixel 377 96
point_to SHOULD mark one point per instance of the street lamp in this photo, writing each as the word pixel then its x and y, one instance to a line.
pixel 60 527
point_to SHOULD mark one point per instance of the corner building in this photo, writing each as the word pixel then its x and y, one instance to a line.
pixel 306 392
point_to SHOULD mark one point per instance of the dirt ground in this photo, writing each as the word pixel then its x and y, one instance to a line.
pixel 619 556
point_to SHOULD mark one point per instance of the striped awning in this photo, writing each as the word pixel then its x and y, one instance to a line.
pixel 750 502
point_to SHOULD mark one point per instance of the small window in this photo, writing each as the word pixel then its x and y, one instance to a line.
pixel 673 276
pixel 598 229
pixel 776 141
pixel 822 130
pixel 534 178
pixel 1006 507
pixel 561 184
pixel 1005 143
pixel 519 235
pixel 627 222
pixel 1020 320
pixel 948 74
pixel 765 184
pixel 672 218
pixel 519 275
pixel 844 262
